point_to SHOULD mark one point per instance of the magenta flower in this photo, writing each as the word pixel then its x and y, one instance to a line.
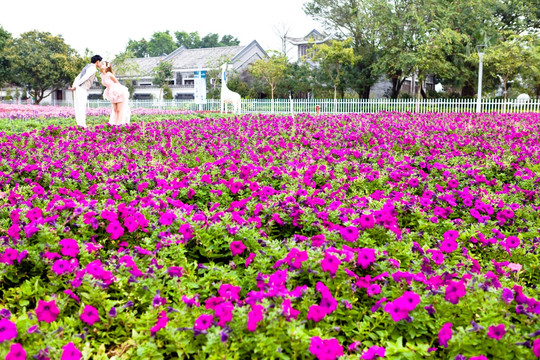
pixel 115 229
pixel 409 300
pixel 203 322
pixel 496 332
pixel 90 315
pixel 70 247
pixel 349 233
pixel 16 352
pixel 373 352
pixel 161 322
pixel 445 334
pixel 366 257
pixel 237 247
pixel 255 316
pixel 47 311
pixel 61 267
pixel 167 218
pixel 224 313
pixel 366 221
pixel 373 289
pixel 316 313
pixel 512 242
pixel 448 245
pixel 327 349
pixel 479 357
pixel 330 264
pixel 454 291
pixel 70 352
pixel 176 271
pixel 8 330
pixel 250 258
pixel 536 347
pixel 396 310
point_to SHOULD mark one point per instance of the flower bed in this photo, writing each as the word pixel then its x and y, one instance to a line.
pixel 354 236
pixel 33 112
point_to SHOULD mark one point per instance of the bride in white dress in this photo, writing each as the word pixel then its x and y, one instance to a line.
pixel 117 94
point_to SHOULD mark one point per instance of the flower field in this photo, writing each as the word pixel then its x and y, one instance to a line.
pixel 354 236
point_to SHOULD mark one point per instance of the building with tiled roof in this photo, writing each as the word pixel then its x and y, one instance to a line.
pixel 184 64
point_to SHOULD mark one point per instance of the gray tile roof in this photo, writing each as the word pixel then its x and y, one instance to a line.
pixel 201 58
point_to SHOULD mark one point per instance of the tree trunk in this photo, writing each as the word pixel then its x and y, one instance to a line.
pixel 397 82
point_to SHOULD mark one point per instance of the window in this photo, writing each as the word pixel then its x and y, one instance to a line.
pixel 184 96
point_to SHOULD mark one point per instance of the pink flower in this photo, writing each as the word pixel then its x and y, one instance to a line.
pixel 167 218
pixel 512 242
pixel 366 221
pixel 203 322
pixel 496 332
pixel 409 300
pixel 176 271
pixel 70 352
pixel 318 240
pixel 250 258
pixel 327 349
pixel 161 322
pixel 396 310
pixel 448 245
pixel 349 233
pixel 8 330
pixel 373 352
pixel 454 291
pixel 115 229
pixel 479 357
pixel 237 247
pixel 224 312
pixel 445 334
pixel 373 289
pixel 16 352
pixel 366 257
pixel 316 313
pixel 47 311
pixel 536 347
pixel 254 317
pixel 330 263
pixel 70 247
pixel 90 315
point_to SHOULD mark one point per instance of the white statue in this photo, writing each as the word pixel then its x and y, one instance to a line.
pixel 228 96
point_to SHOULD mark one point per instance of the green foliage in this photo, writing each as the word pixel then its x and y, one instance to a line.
pixel 167 93
pixel 5 71
pixel 162 73
pixel 270 71
pixel 42 63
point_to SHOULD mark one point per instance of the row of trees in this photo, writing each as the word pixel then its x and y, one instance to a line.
pixel 399 38
pixel 162 43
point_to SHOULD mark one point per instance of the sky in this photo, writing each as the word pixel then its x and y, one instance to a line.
pixel 104 27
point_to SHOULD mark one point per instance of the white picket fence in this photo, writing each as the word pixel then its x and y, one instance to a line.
pixel 329 106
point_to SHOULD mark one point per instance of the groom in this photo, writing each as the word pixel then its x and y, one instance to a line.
pixel 80 87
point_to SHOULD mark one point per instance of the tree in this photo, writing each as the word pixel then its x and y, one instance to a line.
pixel 190 41
pixel 4 63
pixel 298 80
pixel 229 40
pixel 124 65
pixel 137 48
pixel 508 58
pixel 161 43
pixel 213 75
pixel 354 19
pixel 42 63
pixel 331 59
pixel 210 40
pixel 270 71
pixel 162 74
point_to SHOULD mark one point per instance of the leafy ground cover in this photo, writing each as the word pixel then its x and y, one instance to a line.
pixel 352 236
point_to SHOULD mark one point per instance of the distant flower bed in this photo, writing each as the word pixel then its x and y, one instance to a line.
pixel 28 112
pixel 350 236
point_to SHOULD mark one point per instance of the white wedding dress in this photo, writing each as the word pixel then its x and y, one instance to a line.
pixel 115 93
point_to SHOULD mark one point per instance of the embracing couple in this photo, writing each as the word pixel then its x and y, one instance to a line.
pixel 115 92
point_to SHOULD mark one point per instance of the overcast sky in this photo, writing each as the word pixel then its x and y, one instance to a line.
pixel 104 27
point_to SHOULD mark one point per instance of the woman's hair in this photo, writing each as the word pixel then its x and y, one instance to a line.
pixel 108 67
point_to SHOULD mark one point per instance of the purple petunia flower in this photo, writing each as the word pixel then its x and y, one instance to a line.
pixel 203 322
pixel 237 247
pixel 366 257
pixel 373 353
pixel 445 334
pixel 69 247
pixel 47 311
pixel 16 352
pixel 8 330
pixel 496 332
pixel 70 352
pixel 349 234
pixel 90 315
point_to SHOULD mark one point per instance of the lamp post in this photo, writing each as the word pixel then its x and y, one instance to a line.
pixel 481 49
